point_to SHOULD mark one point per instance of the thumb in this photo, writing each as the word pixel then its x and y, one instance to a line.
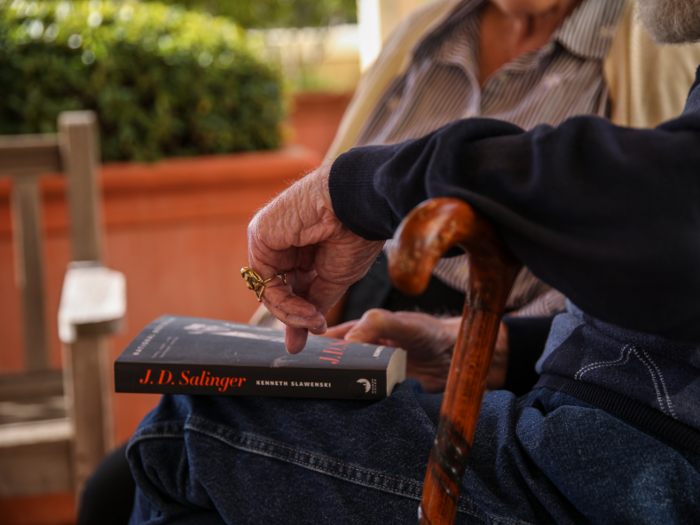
pixel 373 326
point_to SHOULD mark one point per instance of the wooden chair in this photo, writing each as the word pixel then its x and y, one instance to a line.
pixel 62 422
pixel 422 238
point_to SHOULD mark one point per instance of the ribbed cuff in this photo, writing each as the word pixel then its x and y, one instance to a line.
pixel 355 200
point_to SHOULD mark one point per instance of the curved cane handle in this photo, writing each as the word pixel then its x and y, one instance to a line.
pixel 422 238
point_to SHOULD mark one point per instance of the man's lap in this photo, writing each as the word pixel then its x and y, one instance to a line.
pixel 265 460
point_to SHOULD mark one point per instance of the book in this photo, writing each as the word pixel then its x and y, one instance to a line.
pixel 188 355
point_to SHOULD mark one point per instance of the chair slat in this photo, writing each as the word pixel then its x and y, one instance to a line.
pixel 93 301
pixel 40 464
pixel 80 152
pixel 29 155
pixel 26 209
pixel 16 387
pixel 89 402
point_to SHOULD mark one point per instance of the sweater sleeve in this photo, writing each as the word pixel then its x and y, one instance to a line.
pixel 608 215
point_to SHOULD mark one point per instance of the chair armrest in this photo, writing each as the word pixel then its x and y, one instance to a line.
pixel 93 301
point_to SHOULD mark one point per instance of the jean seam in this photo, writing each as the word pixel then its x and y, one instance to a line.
pixel 214 435
pixel 153 435
pixel 272 443
pixel 141 436
pixel 307 465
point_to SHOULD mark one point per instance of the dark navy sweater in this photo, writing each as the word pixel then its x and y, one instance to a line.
pixel 608 215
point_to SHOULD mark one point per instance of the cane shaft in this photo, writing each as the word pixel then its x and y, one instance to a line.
pixel 423 237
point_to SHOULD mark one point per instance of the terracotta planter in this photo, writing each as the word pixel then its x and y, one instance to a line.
pixel 176 229
pixel 314 119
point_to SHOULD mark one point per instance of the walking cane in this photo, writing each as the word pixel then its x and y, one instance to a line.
pixel 422 238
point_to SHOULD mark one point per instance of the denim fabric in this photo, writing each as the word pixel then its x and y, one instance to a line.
pixel 661 374
pixel 545 458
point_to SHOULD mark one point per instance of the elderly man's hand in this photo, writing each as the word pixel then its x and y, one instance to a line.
pixel 298 234
pixel 429 342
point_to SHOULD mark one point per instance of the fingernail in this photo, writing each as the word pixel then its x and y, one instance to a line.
pixel 308 322
pixel 321 330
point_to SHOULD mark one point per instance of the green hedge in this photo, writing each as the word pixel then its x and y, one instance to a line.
pixel 278 13
pixel 163 81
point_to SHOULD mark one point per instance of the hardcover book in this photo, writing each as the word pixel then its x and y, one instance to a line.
pixel 187 355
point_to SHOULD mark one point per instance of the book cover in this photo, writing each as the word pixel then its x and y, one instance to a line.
pixel 188 355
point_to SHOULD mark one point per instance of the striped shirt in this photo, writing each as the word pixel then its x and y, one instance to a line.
pixel 562 79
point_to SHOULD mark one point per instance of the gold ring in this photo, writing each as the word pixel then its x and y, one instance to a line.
pixel 257 283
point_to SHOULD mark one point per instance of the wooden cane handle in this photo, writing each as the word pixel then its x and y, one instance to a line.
pixel 423 237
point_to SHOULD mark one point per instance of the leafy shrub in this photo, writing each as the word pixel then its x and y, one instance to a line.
pixel 279 13
pixel 163 81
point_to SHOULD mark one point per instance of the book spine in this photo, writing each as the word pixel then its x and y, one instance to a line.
pixel 250 381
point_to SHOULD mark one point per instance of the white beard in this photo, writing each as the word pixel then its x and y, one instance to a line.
pixel 671 21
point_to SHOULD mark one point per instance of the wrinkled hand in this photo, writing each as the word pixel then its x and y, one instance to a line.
pixel 429 343
pixel 299 234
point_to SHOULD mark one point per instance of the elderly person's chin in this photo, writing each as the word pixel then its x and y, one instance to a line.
pixel 531 7
pixel 671 21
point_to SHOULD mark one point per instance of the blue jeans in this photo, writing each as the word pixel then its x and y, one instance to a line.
pixel 544 458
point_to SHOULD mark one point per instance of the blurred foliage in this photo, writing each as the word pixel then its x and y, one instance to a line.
pixel 279 13
pixel 163 81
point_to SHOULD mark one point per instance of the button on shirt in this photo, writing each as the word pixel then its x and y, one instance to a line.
pixel 562 79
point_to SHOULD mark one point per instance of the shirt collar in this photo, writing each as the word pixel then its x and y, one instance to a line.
pixel 456 40
pixel 588 31
pixel 438 41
